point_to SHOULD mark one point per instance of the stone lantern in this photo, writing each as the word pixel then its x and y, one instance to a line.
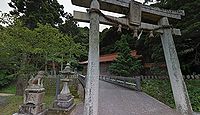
pixel 65 100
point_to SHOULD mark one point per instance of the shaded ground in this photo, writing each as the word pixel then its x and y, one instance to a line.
pixel 3 99
pixel 115 100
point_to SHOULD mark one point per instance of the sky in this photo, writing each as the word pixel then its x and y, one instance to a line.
pixel 68 7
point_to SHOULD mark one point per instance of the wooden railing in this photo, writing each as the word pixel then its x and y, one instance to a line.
pixel 128 82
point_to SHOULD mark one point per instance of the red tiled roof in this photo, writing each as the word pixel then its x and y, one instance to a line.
pixel 111 57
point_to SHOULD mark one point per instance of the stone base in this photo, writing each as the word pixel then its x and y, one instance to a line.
pixel 32 109
pixel 60 111
pixel 64 101
pixel 44 112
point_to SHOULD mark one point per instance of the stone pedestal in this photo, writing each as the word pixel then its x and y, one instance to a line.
pixel 64 101
pixel 33 98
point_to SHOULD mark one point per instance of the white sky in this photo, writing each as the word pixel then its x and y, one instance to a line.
pixel 68 7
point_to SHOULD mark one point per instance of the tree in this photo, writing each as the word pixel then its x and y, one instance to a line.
pixel 80 35
pixel 187 45
pixel 38 11
pixel 70 26
pixel 108 37
pixel 125 64
pixel 6 19
pixel 24 51
pixel 21 47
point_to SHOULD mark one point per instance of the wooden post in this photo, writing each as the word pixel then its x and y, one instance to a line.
pixel 178 85
pixel 92 78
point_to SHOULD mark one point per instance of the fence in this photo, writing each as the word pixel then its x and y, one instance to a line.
pixel 81 78
pixel 128 82
pixel 187 77
pixel 132 82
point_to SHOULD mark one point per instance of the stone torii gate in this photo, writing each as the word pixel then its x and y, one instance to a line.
pixel 137 17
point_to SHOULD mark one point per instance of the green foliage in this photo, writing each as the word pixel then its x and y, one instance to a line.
pixel 161 90
pixel 12 105
pixel 108 38
pixel 156 70
pixel 70 26
pixel 194 93
pixel 5 79
pixel 50 86
pixel 187 45
pixel 125 64
pixel 24 50
pixel 38 11
pixel 10 89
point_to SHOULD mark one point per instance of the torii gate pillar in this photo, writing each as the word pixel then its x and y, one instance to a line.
pixel 178 85
pixel 92 79
pixel 142 12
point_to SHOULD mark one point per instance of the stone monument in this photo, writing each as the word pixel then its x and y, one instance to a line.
pixel 33 97
pixel 64 103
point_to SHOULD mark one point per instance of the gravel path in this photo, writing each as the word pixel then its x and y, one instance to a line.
pixel 2 101
pixel 115 100
pixel 3 98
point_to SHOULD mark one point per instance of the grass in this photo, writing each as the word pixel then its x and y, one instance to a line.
pixel 12 106
pixel 161 90
pixel 13 102
pixel 11 89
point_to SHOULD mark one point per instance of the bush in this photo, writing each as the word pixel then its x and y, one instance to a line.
pixel 161 90
pixel 125 64
pixel 5 79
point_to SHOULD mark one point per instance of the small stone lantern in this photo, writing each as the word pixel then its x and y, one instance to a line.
pixel 65 100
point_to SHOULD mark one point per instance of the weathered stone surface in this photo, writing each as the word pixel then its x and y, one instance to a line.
pixel 179 89
pixel 33 102
pixel 64 101
pixel 84 17
pixel 92 79
pixel 135 13
pixel 60 111
pixel 34 98
pixel 32 109
pixel 122 7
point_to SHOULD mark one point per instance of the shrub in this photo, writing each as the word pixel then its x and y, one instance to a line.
pixel 161 90
pixel 5 79
pixel 125 64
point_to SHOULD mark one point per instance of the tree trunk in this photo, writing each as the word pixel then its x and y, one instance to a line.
pixel 54 69
pixel 46 67
pixel 22 82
